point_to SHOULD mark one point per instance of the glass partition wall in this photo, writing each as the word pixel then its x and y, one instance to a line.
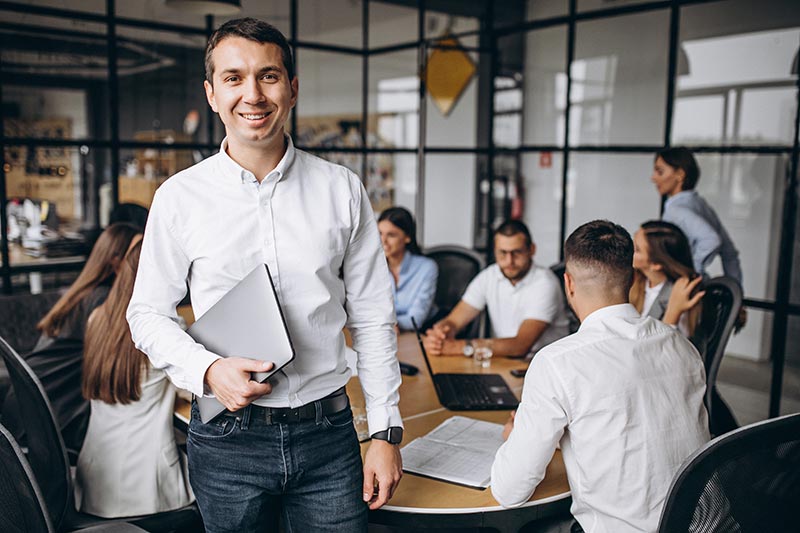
pixel 466 113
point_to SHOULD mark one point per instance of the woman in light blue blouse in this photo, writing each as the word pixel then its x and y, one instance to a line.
pixel 414 274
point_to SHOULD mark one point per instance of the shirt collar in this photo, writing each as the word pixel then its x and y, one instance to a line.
pixel 676 197
pixel 619 310
pixel 234 172
pixel 524 281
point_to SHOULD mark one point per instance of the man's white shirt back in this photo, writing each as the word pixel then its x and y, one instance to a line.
pixel 311 222
pixel 624 399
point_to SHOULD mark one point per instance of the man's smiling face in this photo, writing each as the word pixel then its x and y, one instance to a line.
pixel 251 92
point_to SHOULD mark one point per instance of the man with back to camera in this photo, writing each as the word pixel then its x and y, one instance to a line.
pixel 525 301
pixel 287 446
pixel 623 397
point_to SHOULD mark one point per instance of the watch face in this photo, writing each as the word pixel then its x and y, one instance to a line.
pixel 468 350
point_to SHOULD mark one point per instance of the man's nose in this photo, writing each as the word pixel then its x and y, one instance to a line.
pixel 253 93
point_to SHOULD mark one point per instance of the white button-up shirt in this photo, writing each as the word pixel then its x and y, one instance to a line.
pixel 624 398
pixel 311 222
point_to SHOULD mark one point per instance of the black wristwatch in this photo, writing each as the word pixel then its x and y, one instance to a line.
pixel 393 435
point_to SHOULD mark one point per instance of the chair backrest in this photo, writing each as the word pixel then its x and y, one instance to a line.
pixel 558 269
pixel 19 314
pixel 46 452
pixel 721 305
pixel 457 267
pixel 745 480
pixel 22 506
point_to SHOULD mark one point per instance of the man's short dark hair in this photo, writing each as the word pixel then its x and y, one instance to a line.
pixel 606 249
pixel 509 228
pixel 682 158
pixel 252 30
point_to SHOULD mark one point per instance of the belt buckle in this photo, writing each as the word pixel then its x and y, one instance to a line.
pixel 284 416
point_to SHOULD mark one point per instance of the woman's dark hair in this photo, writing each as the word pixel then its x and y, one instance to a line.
pixel 682 158
pixel 401 217
pixel 252 30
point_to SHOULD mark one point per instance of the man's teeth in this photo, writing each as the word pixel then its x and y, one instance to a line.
pixel 254 117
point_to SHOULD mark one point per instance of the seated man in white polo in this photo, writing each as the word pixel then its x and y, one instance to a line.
pixel 525 301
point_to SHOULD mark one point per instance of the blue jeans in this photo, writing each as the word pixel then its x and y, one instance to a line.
pixel 246 474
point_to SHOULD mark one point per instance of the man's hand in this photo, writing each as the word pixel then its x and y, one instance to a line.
pixel 229 380
pixel 383 468
pixel 509 427
pixel 434 340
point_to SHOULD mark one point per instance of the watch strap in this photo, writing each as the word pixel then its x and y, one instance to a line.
pixel 392 435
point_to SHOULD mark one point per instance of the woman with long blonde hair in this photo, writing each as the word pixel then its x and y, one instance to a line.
pixel 129 464
pixel 664 278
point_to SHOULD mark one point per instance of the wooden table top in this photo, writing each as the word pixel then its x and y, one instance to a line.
pixel 422 412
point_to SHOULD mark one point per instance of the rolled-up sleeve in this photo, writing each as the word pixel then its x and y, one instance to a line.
pixel 159 288
pixel 370 315
pixel 541 419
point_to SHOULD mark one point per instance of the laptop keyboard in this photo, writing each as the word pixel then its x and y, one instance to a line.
pixel 470 390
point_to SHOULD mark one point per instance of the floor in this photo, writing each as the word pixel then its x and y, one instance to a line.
pixel 745 384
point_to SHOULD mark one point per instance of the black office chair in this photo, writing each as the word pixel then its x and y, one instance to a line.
pixel 721 305
pixel 558 269
pixel 22 506
pixel 457 267
pixel 745 481
pixel 48 458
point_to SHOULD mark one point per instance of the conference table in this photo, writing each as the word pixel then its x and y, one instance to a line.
pixel 421 502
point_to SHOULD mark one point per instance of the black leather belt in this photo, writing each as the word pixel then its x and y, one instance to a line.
pixel 330 404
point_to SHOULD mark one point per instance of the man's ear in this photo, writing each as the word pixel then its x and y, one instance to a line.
pixel 210 95
pixel 295 89
pixel 533 249
pixel 569 284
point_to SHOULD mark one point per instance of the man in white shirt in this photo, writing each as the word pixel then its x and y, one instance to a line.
pixel 525 301
pixel 285 448
pixel 622 397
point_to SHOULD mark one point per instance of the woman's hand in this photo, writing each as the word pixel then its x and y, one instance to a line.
pixel 681 299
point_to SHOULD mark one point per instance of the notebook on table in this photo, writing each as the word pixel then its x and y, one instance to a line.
pixel 469 392
pixel 246 322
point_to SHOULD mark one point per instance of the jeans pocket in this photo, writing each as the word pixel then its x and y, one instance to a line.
pixel 219 428
pixel 341 419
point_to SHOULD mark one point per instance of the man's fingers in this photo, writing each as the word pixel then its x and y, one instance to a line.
pixel 384 493
pixel 369 484
pixel 254 365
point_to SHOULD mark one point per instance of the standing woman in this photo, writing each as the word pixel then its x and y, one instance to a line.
pixel 56 359
pixel 662 261
pixel 414 274
pixel 129 464
pixel 675 175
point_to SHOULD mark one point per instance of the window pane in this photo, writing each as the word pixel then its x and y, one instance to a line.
pixel 790 398
pixel 590 5
pixel 329 106
pixel 542 195
pixel 330 21
pixel 459 127
pixel 54 82
pixel 744 65
pixel 745 374
pixel 746 191
pixel 160 11
pixel 276 12
pixel 52 198
pixel 161 94
pixel 794 292
pixel 393 100
pixel 392 180
pixel 449 181
pixel 392 24
pixel 619 80
pixel 143 170
pixel 542 9
pixel 611 186
pixel 97 7
pixel 544 81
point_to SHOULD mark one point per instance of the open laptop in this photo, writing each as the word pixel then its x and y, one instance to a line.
pixel 246 322
pixel 469 392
